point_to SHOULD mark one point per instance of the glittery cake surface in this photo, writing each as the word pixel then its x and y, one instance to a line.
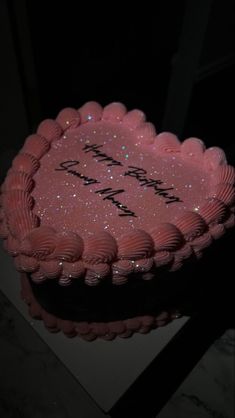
pixel 98 177
pixel 98 195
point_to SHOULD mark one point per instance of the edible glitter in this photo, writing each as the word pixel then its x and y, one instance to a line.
pixel 91 211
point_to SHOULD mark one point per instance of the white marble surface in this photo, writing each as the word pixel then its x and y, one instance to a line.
pixel 105 369
pixel 33 382
pixel 209 390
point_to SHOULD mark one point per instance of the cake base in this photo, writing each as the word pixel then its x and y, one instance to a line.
pixel 104 311
pixel 108 311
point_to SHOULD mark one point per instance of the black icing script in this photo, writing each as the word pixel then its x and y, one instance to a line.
pixel 140 175
pixel 108 192
pixel 66 166
pixel 97 153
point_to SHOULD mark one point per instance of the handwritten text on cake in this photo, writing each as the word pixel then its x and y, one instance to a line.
pixel 108 192
pixel 140 175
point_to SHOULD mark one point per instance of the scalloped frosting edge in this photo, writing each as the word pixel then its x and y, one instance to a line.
pixel 44 252
pixel 89 331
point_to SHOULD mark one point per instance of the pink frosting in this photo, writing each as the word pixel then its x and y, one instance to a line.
pixel 184 252
pixel 134 119
pixel 49 320
pixel 100 248
pixel 143 265
pixel 25 263
pixel 217 231
pixel 69 247
pixel 12 245
pixel 17 180
pixel 39 242
pixel 68 118
pixel 147 324
pixel 4 232
pixel 148 276
pixel 50 130
pixel 21 221
pixel 224 192
pixel 202 242
pixel 193 149
pixel 51 269
pixel 166 237
pixel 230 221
pixel 122 211
pixel 146 133
pixel 129 201
pixel 191 225
pixel 91 278
pixel 99 270
pixel 36 146
pixel 213 211
pixel 167 142
pixel 123 267
pixel 15 198
pixel 64 280
pixel 163 258
pixel 225 174
pixel 136 245
pixel 214 157
pixel 35 310
pixel 177 263
pixel 74 270
pixel 95 273
pixel 38 276
pixel 25 163
pixel 114 112
pixel 118 279
pixel 90 111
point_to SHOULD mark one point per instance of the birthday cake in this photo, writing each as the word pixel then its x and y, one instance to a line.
pixel 98 207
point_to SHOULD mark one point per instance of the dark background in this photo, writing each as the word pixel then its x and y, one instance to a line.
pixel 104 53
pixel 173 60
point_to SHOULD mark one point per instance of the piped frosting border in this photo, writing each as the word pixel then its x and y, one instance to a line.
pixel 48 254
pixel 90 331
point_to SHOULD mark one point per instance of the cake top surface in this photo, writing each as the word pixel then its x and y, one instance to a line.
pixel 99 192
pixel 99 177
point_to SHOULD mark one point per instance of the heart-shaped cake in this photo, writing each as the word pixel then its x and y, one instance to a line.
pixel 98 196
